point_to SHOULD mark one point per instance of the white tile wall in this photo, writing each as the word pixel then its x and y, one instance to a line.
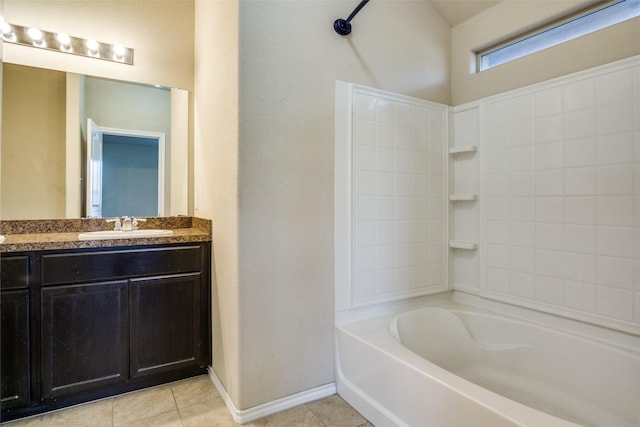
pixel 561 196
pixel 463 178
pixel 398 192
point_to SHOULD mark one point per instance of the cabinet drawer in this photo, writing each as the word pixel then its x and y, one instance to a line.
pixel 106 265
pixel 14 271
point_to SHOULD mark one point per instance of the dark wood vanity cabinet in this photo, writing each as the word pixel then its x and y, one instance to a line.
pixel 14 372
pixel 14 332
pixel 166 327
pixel 107 321
pixel 84 337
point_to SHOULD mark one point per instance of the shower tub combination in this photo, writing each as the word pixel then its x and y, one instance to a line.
pixel 457 363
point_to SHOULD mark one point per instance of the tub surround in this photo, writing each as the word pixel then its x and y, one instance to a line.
pixel 556 217
pixel 393 198
pixel 34 235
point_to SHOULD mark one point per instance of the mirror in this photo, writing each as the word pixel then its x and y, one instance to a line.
pixel 125 172
pixel 45 156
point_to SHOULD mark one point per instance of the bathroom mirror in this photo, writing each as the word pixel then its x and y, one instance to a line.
pixel 45 156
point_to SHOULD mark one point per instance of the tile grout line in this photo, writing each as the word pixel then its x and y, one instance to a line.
pixel 175 402
pixel 315 415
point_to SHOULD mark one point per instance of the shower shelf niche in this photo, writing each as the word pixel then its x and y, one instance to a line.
pixel 464 149
pixel 463 197
pixel 459 244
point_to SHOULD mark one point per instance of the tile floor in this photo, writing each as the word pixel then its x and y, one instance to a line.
pixel 190 403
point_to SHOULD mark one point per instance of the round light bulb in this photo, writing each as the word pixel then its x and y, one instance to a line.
pixel 7 31
pixel 92 45
pixel 35 34
pixel 118 49
pixel 63 39
pixel 6 28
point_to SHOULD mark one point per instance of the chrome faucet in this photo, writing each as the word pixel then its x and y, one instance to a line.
pixel 126 223
pixel 117 225
pixel 135 221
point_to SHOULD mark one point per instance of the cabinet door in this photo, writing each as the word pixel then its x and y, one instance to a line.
pixel 166 330
pixel 14 369
pixel 84 337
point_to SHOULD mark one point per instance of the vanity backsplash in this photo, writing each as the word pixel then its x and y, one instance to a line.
pixel 25 235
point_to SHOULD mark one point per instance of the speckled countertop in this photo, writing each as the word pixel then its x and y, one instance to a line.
pixel 34 235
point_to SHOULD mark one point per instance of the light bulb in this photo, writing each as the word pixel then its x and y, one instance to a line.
pixel 118 49
pixel 35 34
pixel 6 28
pixel 118 52
pixel 92 45
pixel 63 39
pixel 7 32
pixel 65 42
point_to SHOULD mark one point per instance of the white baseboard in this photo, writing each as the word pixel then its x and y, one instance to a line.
pixel 270 408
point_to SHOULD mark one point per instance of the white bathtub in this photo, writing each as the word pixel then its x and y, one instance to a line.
pixel 461 365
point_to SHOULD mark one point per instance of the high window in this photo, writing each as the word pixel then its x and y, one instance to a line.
pixel 569 28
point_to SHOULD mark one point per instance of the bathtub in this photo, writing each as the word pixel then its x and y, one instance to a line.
pixel 460 364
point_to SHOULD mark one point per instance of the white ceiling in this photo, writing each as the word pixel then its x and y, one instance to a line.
pixel 457 11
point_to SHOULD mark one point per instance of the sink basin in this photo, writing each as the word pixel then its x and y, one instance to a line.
pixel 120 234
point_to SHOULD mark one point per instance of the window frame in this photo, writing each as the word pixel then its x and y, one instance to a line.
pixel 554 24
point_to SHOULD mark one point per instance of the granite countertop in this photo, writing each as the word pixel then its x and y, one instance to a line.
pixel 33 235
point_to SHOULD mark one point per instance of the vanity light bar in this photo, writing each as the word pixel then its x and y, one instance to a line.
pixel 61 42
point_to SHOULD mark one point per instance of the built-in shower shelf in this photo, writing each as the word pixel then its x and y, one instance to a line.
pixel 459 244
pixel 463 149
pixel 462 197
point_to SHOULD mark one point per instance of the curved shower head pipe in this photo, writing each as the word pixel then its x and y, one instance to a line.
pixel 343 26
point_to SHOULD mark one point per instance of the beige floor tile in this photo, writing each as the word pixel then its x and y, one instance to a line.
pixel 91 414
pixel 335 412
pixel 29 422
pixel 207 414
pixel 190 403
pixel 194 390
pixel 165 419
pixel 300 416
pixel 142 404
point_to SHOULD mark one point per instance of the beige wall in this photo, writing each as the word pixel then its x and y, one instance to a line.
pixel 290 58
pixel 160 32
pixel 216 172
pixel 510 17
pixel 269 188
pixel 33 185
pixel 127 106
